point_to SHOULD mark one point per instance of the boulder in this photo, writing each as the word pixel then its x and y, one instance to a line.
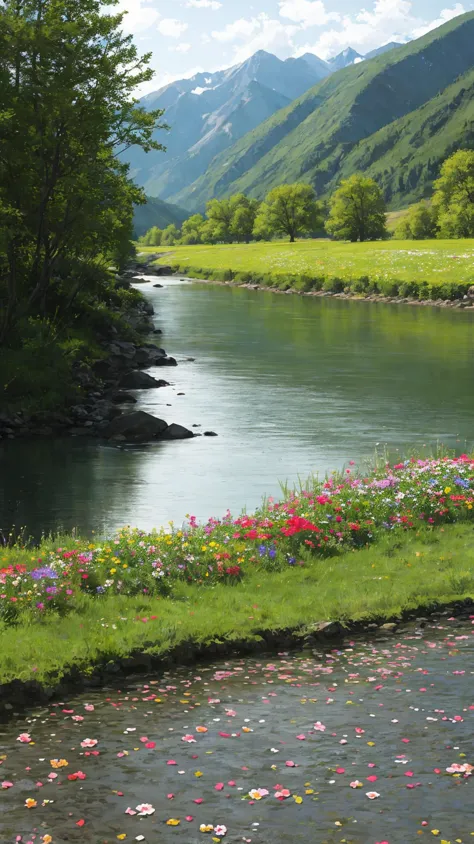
pixel 137 380
pixel 122 398
pixel 210 434
pixel 177 432
pixel 157 285
pixel 165 362
pixel 163 270
pixel 138 426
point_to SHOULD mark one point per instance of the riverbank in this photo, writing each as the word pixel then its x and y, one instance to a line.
pixel 412 272
pixel 97 380
pixel 348 552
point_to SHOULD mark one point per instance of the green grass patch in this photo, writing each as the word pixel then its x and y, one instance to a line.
pixel 435 269
pixel 402 572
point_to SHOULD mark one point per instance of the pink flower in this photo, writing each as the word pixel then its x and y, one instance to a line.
pixel 89 742
pixel 145 809
pixel 77 717
pixel 7 784
pixel 356 784
pixel 372 778
pixel 301 737
pixel 189 739
pixel 89 707
pixel 25 738
pixel 283 794
pixel 130 811
pixel 220 830
pixel 319 727
pixel 372 795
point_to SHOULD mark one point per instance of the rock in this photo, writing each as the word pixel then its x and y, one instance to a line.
pixel 326 628
pixel 137 380
pixel 390 627
pixel 138 426
pixel 118 438
pixel 163 270
pixel 210 434
pixel 157 285
pixel 165 362
pixel 180 394
pixel 177 432
pixel 149 356
pixel 196 425
pixel 122 398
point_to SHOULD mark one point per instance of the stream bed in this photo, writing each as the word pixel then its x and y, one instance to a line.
pixel 369 744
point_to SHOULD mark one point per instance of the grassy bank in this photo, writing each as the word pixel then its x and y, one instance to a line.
pixel 347 548
pixel 437 269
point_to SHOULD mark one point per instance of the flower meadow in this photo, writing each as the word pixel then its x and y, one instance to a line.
pixel 344 512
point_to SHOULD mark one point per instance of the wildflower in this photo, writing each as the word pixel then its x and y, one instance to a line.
pixel 30 803
pixel 372 795
pixel 173 822
pixel 206 827
pixel 258 793
pixel 25 738
pixel 220 830
pixel 89 742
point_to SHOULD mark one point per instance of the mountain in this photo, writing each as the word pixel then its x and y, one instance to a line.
pixel 344 59
pixel 209 112
pixel 381 50
pixel 330 129
pixel 157 213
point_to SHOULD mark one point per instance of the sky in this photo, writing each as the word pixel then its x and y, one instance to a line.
pixel 187 36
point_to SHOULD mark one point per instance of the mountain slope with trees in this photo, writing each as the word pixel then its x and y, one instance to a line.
pixel 156 212
pixel 311 139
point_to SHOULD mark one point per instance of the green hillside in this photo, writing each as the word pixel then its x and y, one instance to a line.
pixel 312 139
pixel 157 213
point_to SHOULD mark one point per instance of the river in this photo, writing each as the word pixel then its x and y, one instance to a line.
pixel 292 385
pixel 363 745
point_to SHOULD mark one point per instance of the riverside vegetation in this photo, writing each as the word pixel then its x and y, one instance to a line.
pixel 348 548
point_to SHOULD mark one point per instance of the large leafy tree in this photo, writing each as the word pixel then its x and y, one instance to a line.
pixel 192 229
pixel 243 219
pixel 289 210
pixel 220 213
pixel 67 110
pixel 418 224
pixel 357 210
pixel 453 198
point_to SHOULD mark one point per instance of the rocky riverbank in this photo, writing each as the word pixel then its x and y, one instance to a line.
pixel 104 401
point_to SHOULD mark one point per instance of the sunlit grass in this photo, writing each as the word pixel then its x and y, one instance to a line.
pixel 401 572
pixel 425 269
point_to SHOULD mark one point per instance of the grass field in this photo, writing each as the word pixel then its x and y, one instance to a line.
pixel 423 269
pixel 352 547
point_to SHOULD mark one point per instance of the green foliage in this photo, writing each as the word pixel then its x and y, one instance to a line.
pixel 153 237
pixel 67 77
pixel 357 211
pixel 170 235
pixel 454 196
pixel 192 230
pixel 289 210
pixel 420 223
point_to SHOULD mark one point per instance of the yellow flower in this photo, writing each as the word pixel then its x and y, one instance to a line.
pixel 58 763
pixel 112 571
pixel 206 827
pixel 125 566
pixel 309 791
pixel 204 548
pixel 30 803
pixel 47 839
pixel 447 490
pixel 173 822
pixel 122 836
pixel 197 773
pixel 297 799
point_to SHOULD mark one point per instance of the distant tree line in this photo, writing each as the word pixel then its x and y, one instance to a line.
pixel 355 212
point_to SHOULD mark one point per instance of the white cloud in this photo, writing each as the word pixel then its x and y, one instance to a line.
pixel 389 20
pixel 183 47
pixel 204 4
pixel 307 12
pixel 258 33
pixel 444 16
pixel 171 27
pixel 139 15
pixel 240 28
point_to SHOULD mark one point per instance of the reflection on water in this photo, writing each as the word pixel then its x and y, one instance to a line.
pixel 291 384
pixel 392 715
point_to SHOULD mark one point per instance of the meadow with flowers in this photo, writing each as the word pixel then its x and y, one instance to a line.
pixel 435 269
pixel 328 537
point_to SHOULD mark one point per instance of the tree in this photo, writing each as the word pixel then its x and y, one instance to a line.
pixel 67 76
pixel 288 210
pixel 170 235
pixel 152 237
pixel 357 211
pixel 191 230
pixel 453 198
pixel 418 224
pixel 243 218
pixel 220 213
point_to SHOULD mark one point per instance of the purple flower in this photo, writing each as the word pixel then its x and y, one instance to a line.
pixel 44 571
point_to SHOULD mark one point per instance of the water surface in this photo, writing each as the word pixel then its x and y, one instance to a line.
pixel 392 714
pixel 292 385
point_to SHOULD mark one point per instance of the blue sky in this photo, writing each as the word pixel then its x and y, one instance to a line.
pixel 190 35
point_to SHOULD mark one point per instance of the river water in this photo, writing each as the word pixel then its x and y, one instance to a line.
pixel 292 385
pixel 349 747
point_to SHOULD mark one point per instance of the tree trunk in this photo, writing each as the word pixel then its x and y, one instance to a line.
pixel 292 238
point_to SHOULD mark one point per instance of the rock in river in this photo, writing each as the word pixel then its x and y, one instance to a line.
pixel 136 426
pixel 177 432
pixel 137 380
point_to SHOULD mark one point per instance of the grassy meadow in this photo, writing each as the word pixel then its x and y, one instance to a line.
pixel 435 269
pixel 348 548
